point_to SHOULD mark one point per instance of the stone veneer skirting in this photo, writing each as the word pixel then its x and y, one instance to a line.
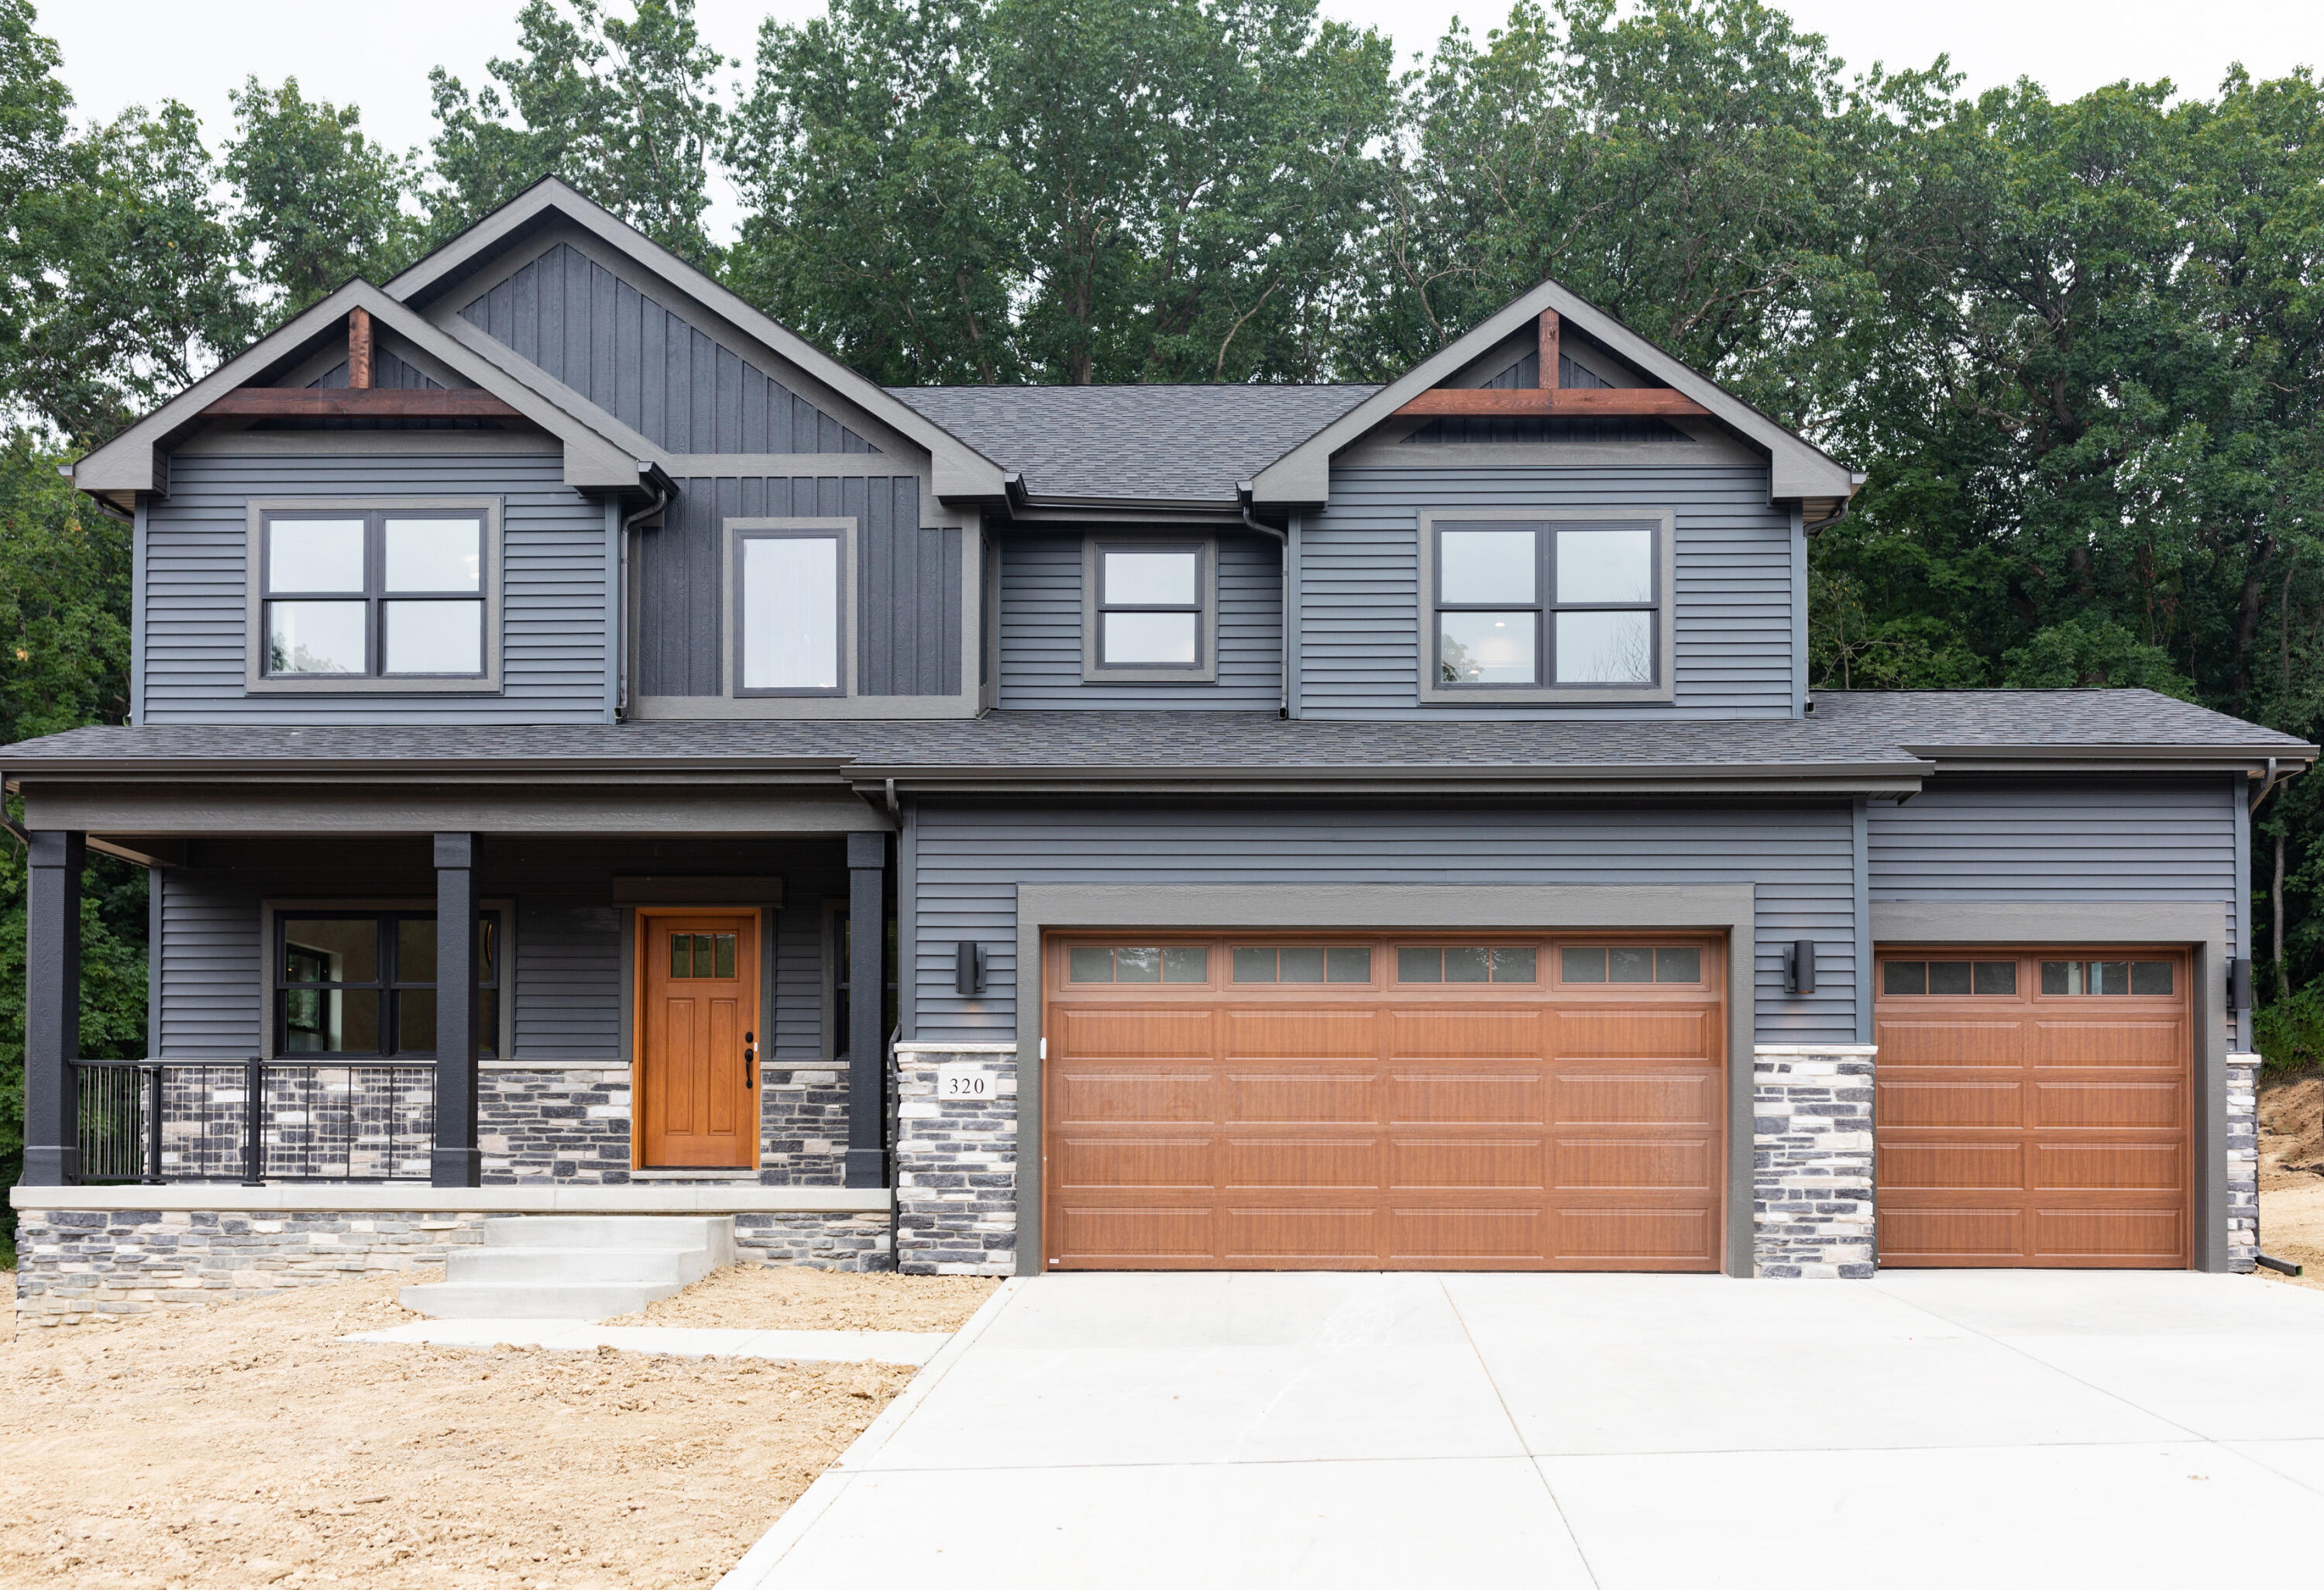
pixel 570 1122
pixel 956 1164
pixel 131 1250
pixel 2242 1163
pixel 1812 1208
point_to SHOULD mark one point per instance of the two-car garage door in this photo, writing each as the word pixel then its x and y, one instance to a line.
pixel 1384 1101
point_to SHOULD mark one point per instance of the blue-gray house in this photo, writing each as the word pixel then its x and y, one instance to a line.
pixel 1011 830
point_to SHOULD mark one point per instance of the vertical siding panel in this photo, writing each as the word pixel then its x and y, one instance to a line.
pixel 629 354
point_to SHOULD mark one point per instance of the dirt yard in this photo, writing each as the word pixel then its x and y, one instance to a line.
pixel 2291 1174
pixel 243 1443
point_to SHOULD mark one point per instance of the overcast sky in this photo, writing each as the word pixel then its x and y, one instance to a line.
pixel 120 52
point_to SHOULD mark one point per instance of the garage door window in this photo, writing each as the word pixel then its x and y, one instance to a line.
pixel 2103 977
pixel 1176 963
pixel 1465 964
pixel 1303 964
pixel 1951 979
pixel 1625 963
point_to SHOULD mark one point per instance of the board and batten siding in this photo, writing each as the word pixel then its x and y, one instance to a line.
pixel 1359 598
pixel 552 570
pixel 2062 841
pixel 971 859
pixel 1041 607
pixel 646 365
pixel 907 631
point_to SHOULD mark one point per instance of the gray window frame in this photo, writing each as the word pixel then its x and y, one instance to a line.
pixel 272 910
pixel 1546 523
pixel 1204 669
pixel 262 511
pixel 842 532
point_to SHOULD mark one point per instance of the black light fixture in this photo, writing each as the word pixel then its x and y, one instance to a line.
pixel 2239 995
pixel 968 969
pixel 1799 966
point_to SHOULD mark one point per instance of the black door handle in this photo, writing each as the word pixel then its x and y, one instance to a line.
pixel 750 1056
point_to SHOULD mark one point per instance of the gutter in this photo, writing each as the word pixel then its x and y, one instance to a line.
pixel 1283 600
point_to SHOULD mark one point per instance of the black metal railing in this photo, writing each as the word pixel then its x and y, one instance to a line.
pixel 255 1121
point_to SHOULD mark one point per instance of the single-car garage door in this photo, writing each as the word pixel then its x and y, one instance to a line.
pixel 2032 1107
pixel 1362 1101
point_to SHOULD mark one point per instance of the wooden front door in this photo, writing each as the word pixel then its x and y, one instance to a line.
pixel 2033 1107
pixel 1384 1102
pixel 697 1095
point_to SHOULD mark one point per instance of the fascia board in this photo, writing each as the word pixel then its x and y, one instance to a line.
pixel 2087 759
pixel 956 470
pixel 1200 783
pixel 1797 467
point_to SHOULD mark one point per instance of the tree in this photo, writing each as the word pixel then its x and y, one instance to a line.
pixel 318 202
pixel 624 110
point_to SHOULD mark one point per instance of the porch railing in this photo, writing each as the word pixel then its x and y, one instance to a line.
pixel 255 1121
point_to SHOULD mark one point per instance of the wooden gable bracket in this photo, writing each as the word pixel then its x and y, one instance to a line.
pixel 1548 398
pixel 359 399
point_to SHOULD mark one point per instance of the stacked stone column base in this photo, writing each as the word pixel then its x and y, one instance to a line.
pixel 2243 1162
pixel 956 1163
pixel 1811 1165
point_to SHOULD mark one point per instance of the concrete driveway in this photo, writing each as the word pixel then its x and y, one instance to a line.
pixel 1935 1428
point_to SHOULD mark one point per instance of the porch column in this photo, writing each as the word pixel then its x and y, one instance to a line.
pixel 455 1162
pixel 52 1009
pixel 867 985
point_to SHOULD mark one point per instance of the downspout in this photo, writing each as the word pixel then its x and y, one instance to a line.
pixel 1283 600
pixel 664 489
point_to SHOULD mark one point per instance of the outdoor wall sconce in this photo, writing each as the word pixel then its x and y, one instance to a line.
pixel 968 969
pixel 2239 995
pixel 1799 966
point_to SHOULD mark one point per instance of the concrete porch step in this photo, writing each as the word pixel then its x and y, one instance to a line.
pixel 576 1266
pixel 505 1265
pixel 714 1233
pixel 584 1300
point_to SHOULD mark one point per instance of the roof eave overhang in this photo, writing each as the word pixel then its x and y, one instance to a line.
pixel 1780 779
pixel 2108 759
pixel 342 773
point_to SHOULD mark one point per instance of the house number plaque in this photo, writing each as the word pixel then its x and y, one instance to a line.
pixel 965 1082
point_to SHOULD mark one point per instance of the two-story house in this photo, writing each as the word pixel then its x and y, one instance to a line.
pixel 1070 828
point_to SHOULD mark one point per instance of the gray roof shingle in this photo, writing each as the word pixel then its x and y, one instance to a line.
pixel 1170 443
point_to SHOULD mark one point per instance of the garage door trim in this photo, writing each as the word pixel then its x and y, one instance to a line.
pixel 2202 926
pixel 1043 909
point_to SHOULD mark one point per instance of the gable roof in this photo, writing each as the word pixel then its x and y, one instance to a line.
pixel 958 469
pixel 1185 444
pixel 1798 468
pixel 130 462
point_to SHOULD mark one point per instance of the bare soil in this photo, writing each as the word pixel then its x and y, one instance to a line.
pixel 2291 1174
pixel 751 1296
pixel 243 1444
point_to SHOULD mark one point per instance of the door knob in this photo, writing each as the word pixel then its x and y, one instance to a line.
pixel 749 1055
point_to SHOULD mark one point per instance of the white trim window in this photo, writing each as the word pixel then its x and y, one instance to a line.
pixel 790 616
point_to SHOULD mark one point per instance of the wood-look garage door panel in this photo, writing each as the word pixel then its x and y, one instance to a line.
pixel 1289 1097
pixel 1641 1095
pixel 1131 1161
pixel 1465 1097
pixel 1627 1033
pixel 2030 1109
pixel 1466 1163
pixel 1267 1104
pixel 1327 1164
pixel 1101 1098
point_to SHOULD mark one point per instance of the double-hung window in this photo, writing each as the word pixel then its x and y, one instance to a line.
pixel 363 982
pixel 1544 609
pixel 790 584
pixel 1149 611
pixel 389 597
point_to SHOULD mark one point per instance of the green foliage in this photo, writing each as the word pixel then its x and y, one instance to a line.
pixel 2290 1030
pixel 320 201
pixel 2088 651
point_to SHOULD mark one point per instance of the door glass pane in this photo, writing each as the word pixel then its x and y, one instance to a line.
pixel 488 949
pixel 415 951
pixel 323 950
pixel 315 555
pixel 2150 976
pixel 1186 964
pixel 1138 966
pixel 1631 965
pixel 1605 648
pixel 1485 566
pixel 1605 566
pixel 1581 965
pixel 1090 966
pixel 415 1018
pixel 1996 976
pixel 314 637
pixel 1254 966
pixel 488 1021
pixel 1419 965
pixel 702 962
pixel 1465 964
pixel 1678 966
pixel 1302 965
pixel 2061 976
pixel 790 613
pixel 1349 966
pixel 1949 977
pixel 1486 649
pixel 723 946
pixel 330 1021
pixel 1905 978
pixel 1150 579
pixel 433 554
pixel 681 955
pixel 1513 965
pixel 1163 639
pixel 435 637
pixel 2110 977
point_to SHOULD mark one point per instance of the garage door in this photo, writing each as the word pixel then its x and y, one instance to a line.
pixel 1362 1101
pixel 2033 1107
